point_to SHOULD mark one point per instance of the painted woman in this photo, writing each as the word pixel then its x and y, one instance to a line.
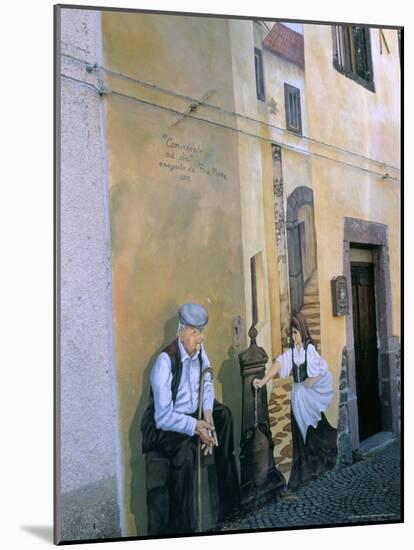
pixel 313 438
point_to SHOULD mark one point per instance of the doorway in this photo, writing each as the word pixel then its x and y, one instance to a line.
pixel 367 242
pixel 366 349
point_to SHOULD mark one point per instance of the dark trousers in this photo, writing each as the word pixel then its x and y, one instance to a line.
pixel 180 450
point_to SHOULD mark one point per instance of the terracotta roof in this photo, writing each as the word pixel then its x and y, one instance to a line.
pixel 286 43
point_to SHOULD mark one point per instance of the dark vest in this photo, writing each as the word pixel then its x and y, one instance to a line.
pixel 300 372
pixel 148 427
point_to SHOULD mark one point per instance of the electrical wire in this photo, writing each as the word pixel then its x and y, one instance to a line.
pixel 94 66
pixel 103 91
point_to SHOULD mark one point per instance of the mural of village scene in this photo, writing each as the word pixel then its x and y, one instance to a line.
pixel 234 191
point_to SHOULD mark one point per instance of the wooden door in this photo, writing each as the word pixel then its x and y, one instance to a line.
pixel 296 282
pixel 366 349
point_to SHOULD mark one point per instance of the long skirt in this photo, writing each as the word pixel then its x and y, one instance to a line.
pixel 316 455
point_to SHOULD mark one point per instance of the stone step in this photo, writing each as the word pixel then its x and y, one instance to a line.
pixel 311 309
pixel 311 318
pixel 285 466
pixel 311 290
pixel 311 306
pixel 315 324
pixel 287 451
pixel 308 315
pixel 313 321
pixel 311 299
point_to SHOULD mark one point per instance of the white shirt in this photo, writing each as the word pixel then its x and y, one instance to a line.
pixel 170 416
pixel 308 403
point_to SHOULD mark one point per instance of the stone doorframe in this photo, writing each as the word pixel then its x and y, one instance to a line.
pixel 376 236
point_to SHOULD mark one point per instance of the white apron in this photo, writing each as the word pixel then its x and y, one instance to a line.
pixel 308 403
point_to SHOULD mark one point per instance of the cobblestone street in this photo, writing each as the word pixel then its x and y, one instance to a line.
pixel 368 490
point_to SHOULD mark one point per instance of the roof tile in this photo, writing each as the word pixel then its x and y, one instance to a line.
pixel 287 43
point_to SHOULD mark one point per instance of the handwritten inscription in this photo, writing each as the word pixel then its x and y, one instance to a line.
pixel 186 160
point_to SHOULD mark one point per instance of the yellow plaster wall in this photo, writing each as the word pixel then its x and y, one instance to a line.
pixel 343 113
pixel 250 151
pixel 296 171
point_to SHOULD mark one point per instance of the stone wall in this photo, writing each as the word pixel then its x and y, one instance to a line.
pixel 344 437
pixel 88 486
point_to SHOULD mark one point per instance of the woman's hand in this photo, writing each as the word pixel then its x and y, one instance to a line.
pixel 311 380
pixel 257 383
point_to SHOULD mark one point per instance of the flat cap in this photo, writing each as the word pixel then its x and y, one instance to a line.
pixel 194 315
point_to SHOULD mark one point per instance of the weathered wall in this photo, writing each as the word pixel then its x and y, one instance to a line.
pixel 88 496
pixel 175 209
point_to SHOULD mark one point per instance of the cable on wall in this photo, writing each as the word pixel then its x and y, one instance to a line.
pixel 105 91
pixel 90 67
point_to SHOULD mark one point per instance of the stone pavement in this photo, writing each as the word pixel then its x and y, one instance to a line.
pixel 368 490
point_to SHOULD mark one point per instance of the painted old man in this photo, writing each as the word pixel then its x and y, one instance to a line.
pixel 170 425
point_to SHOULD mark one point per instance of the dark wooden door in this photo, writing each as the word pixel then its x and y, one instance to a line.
pixel 296 283
pixel 366 349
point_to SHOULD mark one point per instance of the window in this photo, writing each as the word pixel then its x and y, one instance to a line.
pixel 352 54
pixel 258 68
pixel 292 109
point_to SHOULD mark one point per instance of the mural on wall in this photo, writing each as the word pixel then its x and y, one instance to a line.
pixel 225 228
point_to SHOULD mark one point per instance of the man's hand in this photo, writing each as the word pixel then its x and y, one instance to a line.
pixel 204 430
pixel 208 417
pixel 208 449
